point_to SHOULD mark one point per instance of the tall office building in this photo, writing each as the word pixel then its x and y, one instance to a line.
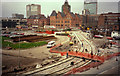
pixel 66 8
pixel 119 7
pixel 91 5
pixel 33 9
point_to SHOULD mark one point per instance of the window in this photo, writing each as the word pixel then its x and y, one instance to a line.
pixel 115 27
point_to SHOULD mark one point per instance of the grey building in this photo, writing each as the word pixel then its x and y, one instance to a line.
pixel 18 16
pixel 85 12
pixel 119 7
pixel 33 9
pixel 91 6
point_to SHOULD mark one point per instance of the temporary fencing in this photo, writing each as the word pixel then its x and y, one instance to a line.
pixel 98 59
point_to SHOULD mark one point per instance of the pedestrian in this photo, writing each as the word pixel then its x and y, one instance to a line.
pixel 72 63
pixel 86 50
pixel 91 54
pixel 116 58
pixel 82 44
pixel 75 41
pixel 110 44
pixel 98 50
pixel 76 51
pixel 69 50
pixel 67 55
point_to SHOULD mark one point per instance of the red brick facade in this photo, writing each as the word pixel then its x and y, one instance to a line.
pixel 38 20
pixel 65 19
pixel 109 21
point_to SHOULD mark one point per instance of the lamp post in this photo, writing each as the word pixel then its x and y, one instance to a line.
pixel 19 51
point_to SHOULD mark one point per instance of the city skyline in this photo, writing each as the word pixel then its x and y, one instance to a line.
pixel 76 7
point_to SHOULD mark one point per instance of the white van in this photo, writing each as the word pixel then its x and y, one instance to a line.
pixel 115 34
pixel 51 44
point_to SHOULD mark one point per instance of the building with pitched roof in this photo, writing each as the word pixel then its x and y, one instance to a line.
pixel 66 18
pixel 38 20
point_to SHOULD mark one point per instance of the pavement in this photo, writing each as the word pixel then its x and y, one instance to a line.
pixel 106 66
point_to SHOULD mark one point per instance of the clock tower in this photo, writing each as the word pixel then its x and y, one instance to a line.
pixel 66 8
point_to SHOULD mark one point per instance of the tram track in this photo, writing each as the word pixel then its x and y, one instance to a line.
pixel 47 67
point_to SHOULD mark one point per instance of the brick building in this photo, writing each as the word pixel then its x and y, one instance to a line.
pixel 109 21
pixel 66 18
pixel 38 21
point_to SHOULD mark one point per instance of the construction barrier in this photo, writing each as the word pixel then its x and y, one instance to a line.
pixel 47 32
pixel 101 59
pixel 80 54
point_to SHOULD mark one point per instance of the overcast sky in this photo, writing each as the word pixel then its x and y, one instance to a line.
pixel 47 6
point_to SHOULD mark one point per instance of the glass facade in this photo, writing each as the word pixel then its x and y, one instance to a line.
pixel 92 7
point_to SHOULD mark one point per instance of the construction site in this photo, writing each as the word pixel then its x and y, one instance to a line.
pixel 73 53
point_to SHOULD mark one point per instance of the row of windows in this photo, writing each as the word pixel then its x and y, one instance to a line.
pixel 112 20
pixel 62 25
pixel 112 17
pixel 113 23
pixel 59 21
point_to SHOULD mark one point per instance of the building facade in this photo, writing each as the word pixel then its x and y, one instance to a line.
pixel 89 21
pixel 33 9
pixel 91 6
pixel 85 12
pixel 13 22
pixel 66 18
pixel 17 16
pixel 66 8
pixel 119 7
pixel 38 21
pixel 109 21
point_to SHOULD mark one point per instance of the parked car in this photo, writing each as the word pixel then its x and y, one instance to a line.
pixel 51 44
pixel 98 36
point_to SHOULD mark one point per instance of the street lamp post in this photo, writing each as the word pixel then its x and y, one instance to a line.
pixel 19 52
